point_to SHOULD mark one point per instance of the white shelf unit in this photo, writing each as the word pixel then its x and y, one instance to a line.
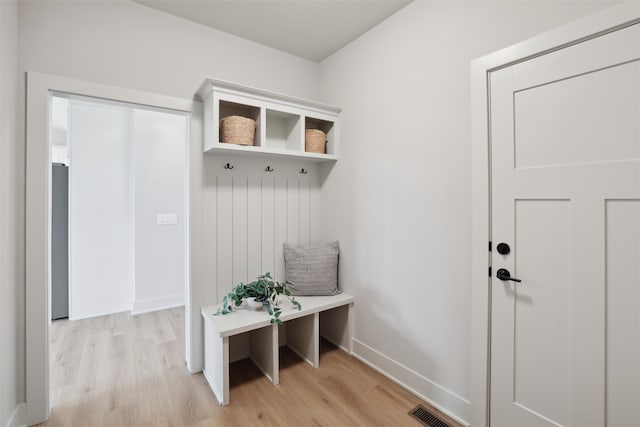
pixel 281 121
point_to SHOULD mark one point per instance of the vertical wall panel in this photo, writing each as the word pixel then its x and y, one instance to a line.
pixel 210 243
pixel 254 232
pixel 224 225
pixel 239 229
pixel 314 213
pixel 250 214
pixel 280 230
pixel 293 210
pixel 304 206
pixel 268 224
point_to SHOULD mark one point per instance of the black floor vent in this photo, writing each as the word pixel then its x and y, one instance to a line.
pixel 427 418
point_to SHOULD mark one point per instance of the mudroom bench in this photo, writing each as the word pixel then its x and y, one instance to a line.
pixel 248 333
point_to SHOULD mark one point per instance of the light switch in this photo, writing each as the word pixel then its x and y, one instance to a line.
pixel 167 219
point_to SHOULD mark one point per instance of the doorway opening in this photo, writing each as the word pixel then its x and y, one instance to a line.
pixel 119 233
pixel 125 222
pixel 40 88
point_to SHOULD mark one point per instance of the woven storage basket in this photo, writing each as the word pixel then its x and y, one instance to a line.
pixel 237 130
pixel 314 141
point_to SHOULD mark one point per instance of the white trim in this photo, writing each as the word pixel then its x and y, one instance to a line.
pixel 194 267
pixel 70 191
pixel 440 397
pixel 578 31
pixel 38 209
pixel 18 418
pixel 154 304
pixel 132 213
pixel 186 226
pixel 262 95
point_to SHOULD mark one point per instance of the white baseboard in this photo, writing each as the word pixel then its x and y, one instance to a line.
pixel 19 417
pixel 155 304
pixel 434 394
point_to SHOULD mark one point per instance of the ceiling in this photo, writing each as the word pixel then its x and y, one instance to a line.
pixel 311 29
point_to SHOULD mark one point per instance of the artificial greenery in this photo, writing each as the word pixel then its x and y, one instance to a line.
pixel 265 290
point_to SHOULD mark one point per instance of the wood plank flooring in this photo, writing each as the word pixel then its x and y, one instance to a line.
pixel 122 370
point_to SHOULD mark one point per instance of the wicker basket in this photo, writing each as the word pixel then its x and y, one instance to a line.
pixel 237 130
pixel 314 141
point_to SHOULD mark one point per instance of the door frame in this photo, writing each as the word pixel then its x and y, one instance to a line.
pixel 592 26
pixel 40 88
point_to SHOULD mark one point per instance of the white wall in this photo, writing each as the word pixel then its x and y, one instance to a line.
pixel 128 166
pixel 159 141
pixel 399 199
pixel 11 260
pixel 100 210
pixel 129 45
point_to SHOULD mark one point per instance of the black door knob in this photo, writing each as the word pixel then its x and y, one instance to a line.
pixel 503 248
pixel 503 274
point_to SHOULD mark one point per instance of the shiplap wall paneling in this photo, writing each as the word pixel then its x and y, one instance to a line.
pixel 304 211
pixel 280 225
pixel 254 224
pixel 250 213
pixel 293 211
pixel 268 218
pixel 209 209
pixel 223 216
pixel 239 221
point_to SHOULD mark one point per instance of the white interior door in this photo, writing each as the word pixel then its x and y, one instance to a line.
pixel 565 179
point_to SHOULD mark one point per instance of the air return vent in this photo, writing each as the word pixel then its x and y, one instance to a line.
pixel 427 418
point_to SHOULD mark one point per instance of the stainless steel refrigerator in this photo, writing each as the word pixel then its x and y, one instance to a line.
pixel 59 241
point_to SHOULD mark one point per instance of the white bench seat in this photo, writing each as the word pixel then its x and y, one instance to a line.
pixel 327 316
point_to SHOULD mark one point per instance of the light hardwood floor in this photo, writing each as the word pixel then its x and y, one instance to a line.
pixel 123 370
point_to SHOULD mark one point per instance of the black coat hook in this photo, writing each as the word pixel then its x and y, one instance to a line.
pixel 269 169
pixel 228 166
pixel 304 171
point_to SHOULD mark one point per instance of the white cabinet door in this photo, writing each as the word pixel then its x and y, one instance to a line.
pixel 565 179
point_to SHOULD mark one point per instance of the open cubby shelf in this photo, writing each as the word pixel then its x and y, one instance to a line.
pixel 281 121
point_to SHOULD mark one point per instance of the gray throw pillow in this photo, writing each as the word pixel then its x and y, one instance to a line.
pixel 312 269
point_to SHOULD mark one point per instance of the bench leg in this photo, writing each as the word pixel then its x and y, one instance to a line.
pixel 216 363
